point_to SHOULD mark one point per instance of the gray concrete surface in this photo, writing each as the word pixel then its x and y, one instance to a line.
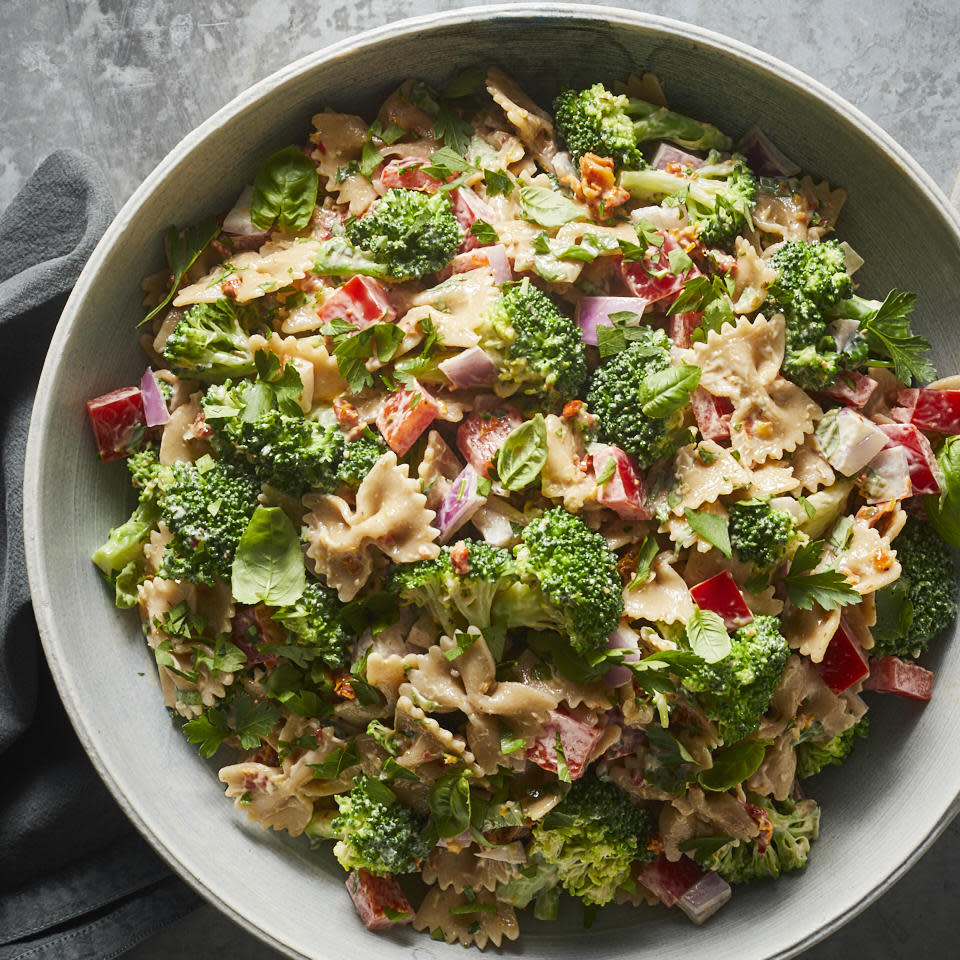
pixel 124 80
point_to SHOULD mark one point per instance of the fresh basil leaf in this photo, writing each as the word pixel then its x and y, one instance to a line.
pixel 609 469
pixel 182 248
pixel 333 766
pixel 679 261
pixel 645 557
pixel 497 182
pixel 395 916
pixel 548 207
pixel 703 848
pixel 450 803
pixel 711 527
pixel 370 157
pixel 563 771
pixel 707 636
pixel 732 765
pixel 464 83
pixel 484 232
pixel 666 391
pixel 943 509
pixel 391 770
pixel 268 566
pixel 648 234
pixel 462 643
pixel 509 742
pixel 284 191
pixel 523 454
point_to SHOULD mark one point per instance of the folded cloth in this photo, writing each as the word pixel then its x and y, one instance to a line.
pixel 76 880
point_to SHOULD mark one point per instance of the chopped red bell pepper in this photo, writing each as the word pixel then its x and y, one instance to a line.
pixel 936 410
pixel 893 675
pixel 712 414
pixel 360 301
pixel 651 278
pixel 623 491
pixel 407 173
pixel 405 416
pixel 379 900
pixel 118 422
pixel 921 461
pixel 843 663
pixel 852 388
pixel 481 435
pixel 722 595
pixel 670 880
pixel 577 740
pixel 681 325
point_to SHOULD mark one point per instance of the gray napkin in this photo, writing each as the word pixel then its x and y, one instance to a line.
pixel 76 880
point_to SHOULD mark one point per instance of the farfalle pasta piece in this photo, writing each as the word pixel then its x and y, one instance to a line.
pixel 869 562
pixel 810 631
pixel 767 425
pixel 704 472
pixel 438 468
pixel 464 869
pixel 557 689
pixel 391 517
pixel 565 475
pixel 790 216
pixel 809 467
pixel 662 599
pixel 179 442
pixel 679 530
pixel 456 306
pixel 533 125
pixel 772 479
pixel 338 140
pixel 470 929
pixel 752 278
pixel 253 273
pixel 699 813
pixel 775 775
pixel 317 368
pixel 427 743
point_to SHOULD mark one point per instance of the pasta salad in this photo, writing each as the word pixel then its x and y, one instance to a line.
pixel 526 499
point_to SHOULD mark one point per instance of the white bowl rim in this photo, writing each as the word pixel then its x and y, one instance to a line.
pixel 42 406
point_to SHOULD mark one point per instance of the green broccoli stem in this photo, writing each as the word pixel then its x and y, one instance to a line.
pixel 659 123
pixel 124 543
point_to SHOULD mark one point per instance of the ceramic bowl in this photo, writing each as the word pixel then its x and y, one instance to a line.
pixel 879 812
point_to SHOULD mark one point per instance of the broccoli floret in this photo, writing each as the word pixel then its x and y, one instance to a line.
pixel 560 557
pixel 915 608
pixel 593 836
pixel 537 349
pixel 456 600
pixel 596 121
pixel 719 197
pixel 736 691
pixel 124 543
pixel 759 533
pixel 287 452
pixel 359 457
pixel 614 398
pixel 782 847
pixel 206 507
pixel 317 620
pixel 376 831
pixel 210 342
pixel 811 289
pixel 813 756
pixel 410 232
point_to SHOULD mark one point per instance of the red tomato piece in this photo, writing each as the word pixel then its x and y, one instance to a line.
pixel 681 325
pixel 643 283
pixel 712 414
pixel 577 740
pixel 405 416
pixel 670 880
pixel 118 422
pixel 843 663
pixel 374 896
pixel 852 388
pixel 936 410
pixel 481 435
pixel 924 472
pixel 360 301
pixel 722 595
pixel 624 491
pixel 407 174
pixel 893 675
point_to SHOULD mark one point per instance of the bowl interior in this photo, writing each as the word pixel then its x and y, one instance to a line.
pixel 877 811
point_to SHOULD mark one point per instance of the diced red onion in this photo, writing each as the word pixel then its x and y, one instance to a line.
pixel 471 368
pixel 494 257
pixel 238 221
pixel 494 525
pixel 563 167
pixel 705 897
pixel 855 443
pixel 154 406
pixel 623 638
pixel 764 157
pixel 460 503
pixel 667 154
pixel 595 311
pixel 843 330
pixel 886 476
